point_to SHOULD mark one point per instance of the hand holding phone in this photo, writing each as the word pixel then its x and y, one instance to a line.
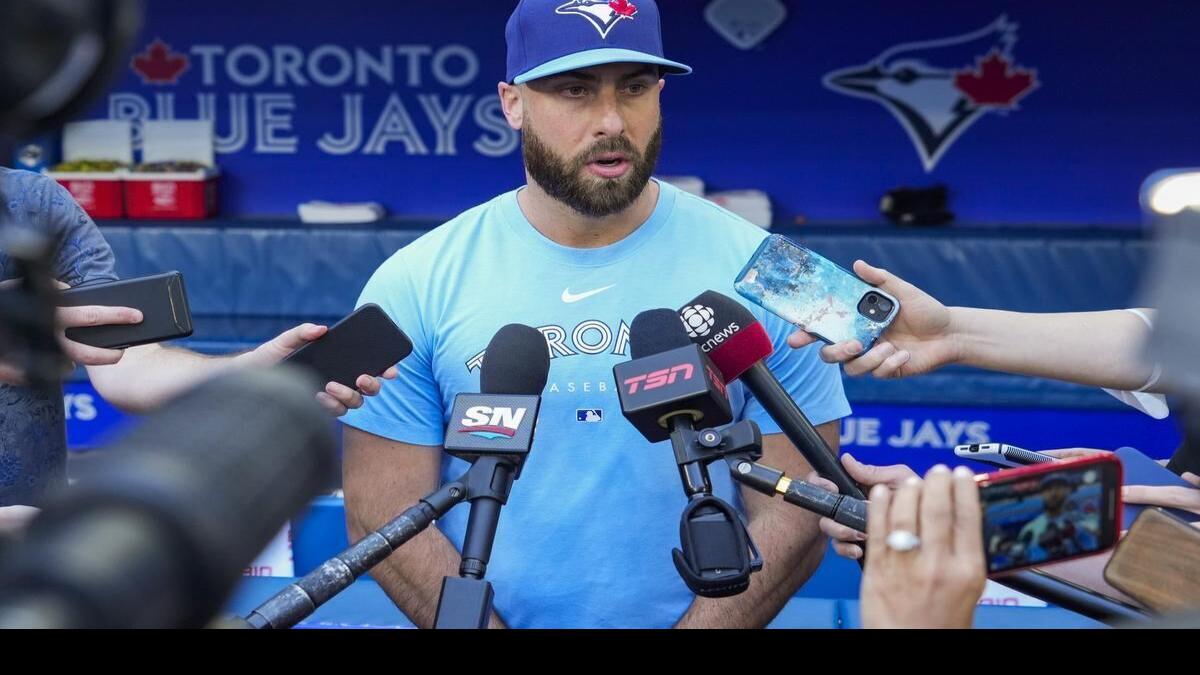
pixel 933 580
pixel 1150 484
pixel 366 342
pixel 160 300
pixel 1047 513
pixel 815 293
pixel 919 339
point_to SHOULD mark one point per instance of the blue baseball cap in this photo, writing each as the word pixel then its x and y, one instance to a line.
pixel 547 37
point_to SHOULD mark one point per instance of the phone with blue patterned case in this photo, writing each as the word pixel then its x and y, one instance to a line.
pixel 818 295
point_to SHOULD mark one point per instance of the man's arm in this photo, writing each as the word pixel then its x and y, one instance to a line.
pixel 147 376
pixel 381 478
pixel 788 538
pixel 1092 348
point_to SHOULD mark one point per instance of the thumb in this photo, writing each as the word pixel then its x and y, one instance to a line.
pixel 290 340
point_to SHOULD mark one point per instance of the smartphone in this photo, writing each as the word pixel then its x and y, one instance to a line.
pixel 1001 454
pixel 366 342
pixel 162 299
pixel 1158 562
pixel 1047 513
pixel 1138 469
pixel 816 294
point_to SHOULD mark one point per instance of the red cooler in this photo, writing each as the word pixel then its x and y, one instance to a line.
pixel 170 196
pixel 99 193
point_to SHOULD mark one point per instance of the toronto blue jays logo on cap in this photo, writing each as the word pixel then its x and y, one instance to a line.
pixel 602 14
pixel 939 88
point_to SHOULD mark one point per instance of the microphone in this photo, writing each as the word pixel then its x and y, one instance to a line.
pixel 499 421
pixel 494 431
pixel 668 387
pixel 737 344
pixel 157 530
pixel 669 382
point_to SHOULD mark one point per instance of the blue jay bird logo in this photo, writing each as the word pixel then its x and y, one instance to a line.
pixel 938 88
pixel 602 14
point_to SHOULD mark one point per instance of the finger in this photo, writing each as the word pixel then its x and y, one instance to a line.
pixel 877 276
pixel 344 395
pixel 937 510
pixel 878 505
pixel 865 474
pixel 814 478
pixel 294 338
pixel 1191 478
pixel 12 375
pixel 367 385
pixel 800 339
pixel 841 352
pixel 847 550
pixel 869 273
pixel 891 367
pixel 89 355
pixel 1174 496
pixel 331 404
pixel 868 362
pixel 839 532
pixel 968 515
pixel 391 373
pixel 97 315
pixel 905 504
pixel 1072 453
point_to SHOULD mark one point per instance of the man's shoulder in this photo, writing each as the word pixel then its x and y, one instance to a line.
pixel 717 221
pixel 18 184
pixel 444 244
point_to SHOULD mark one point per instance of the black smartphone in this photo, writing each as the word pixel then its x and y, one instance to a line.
pixel 366 342
pixel 161 298
pixel 1046 513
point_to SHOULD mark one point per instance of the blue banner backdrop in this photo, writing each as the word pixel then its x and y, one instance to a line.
pixel 1031 112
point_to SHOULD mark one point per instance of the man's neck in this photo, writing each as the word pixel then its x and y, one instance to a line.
pixel 567 227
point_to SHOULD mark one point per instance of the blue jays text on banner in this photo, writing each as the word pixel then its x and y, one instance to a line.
pixel 1026 117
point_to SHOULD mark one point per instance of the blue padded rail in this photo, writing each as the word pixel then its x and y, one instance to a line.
pixel 247 282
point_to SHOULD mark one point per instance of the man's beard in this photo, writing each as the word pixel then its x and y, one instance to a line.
pixel 570 183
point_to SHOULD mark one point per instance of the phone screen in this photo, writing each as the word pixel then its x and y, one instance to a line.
pixel 1045 516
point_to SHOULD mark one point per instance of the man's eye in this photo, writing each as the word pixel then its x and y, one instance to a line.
pixel 636 88
pixel 575 91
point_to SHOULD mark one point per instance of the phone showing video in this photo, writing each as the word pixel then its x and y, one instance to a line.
pixel 1047 513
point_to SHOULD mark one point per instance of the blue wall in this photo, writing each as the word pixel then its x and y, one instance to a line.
pixel 1104 93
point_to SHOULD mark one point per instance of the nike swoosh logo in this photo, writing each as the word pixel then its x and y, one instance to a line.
pixel 569 297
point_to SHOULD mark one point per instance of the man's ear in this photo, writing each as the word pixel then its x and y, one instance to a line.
pixel 512 103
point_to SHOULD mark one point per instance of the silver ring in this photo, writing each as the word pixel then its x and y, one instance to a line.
pixel 902 541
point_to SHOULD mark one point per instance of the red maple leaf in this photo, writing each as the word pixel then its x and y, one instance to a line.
pixel 995 82
pixel 623 8
pixel 158 64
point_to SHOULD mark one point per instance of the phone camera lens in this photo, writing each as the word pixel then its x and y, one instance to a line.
pixel 872 299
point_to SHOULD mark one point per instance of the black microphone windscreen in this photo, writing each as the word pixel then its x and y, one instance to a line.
pixel 655 331
pixel 517 361
pixel 724 308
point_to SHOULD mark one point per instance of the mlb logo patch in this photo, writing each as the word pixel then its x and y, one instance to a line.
pixel 589 415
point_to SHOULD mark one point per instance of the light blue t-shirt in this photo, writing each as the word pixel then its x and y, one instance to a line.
pixel 586 537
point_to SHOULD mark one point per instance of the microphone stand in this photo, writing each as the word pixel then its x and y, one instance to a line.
pixel 717 555
pixel 466 600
